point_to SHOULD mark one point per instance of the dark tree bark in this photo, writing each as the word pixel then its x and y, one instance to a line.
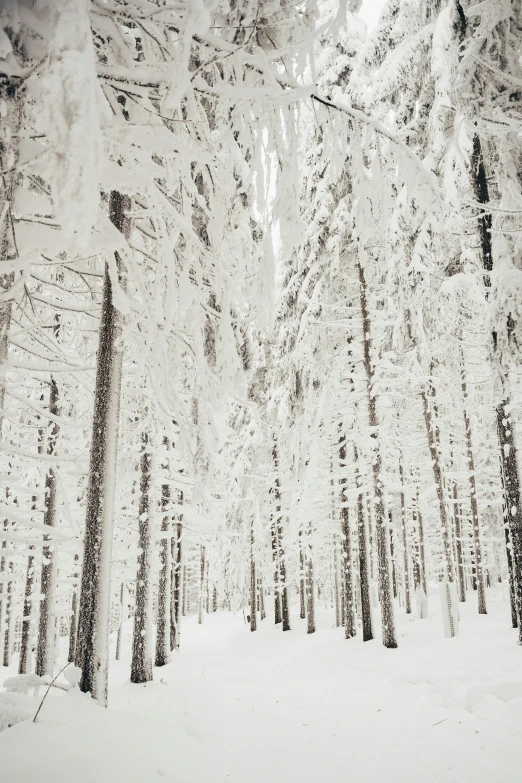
pixel 366 610
pixel 458 536
pixel 392 554
pixel 164 583
pixel 201 584
pixel 508 452
pixel 388 620
pixel 310 598
pixel 92 654
pixel 179 587
pixel 278 521
pixel 405 544
pixel 253 580
pixel 431 433
pixel 349 615
pixel 141 663
pixel 121 621
pixel 74 616
pixel 25 639
pixel 302 588
pixel 45 651
pixel 479 569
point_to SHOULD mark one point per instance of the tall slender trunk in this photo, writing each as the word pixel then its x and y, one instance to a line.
pixel 179 583
pixel 508 452
pixel 92 648
pixel 74 615
pixel 439 486
pixel 253 580
pixel 366 610
pixel 285 609
pixel 349 616
pixel 405 543
pixel 45 651
pixel 422 548
pixel 25 639
pixel 302 588
pixel 141 662
pixel 275 556
pixel 261 599
pixel 121 620
pixel 388 620
pixel 9 616
pixel 481 589
pixel 164 583
pixel 201 583
pixel 392 554
pixel 310 598
pixel 458 536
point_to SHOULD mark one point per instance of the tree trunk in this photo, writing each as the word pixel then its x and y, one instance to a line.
pixel 179 590
pixel 164 583
pixel 26 635
pixel 405 544
pixel 275 556
pixel 458 535
pixel 349 617
pixel 92 648
pixel 261 600
pixel 302 588
pixel 285 609
pixel 479 568
pixel 366 610
pixel 388 620
pixel 141 663
pixel 45 651
pixel 74 616
pixel 392 554
pixel 201 584
pixel 253 580
pixel 508 453
pixel 310 599
pixel 437 477
pixel 121 621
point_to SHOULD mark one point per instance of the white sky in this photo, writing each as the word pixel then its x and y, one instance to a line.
pixel 370 11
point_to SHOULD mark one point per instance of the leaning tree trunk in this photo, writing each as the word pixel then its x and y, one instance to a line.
pixel 92 648
pixel 349 615
pixel 479 566
pixel 141 663
pixel 508 452
pixel 164 583
pixel 45 651
pixel 364 576
pixel 388 620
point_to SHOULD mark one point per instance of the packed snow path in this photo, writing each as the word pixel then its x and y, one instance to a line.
pixel 268 707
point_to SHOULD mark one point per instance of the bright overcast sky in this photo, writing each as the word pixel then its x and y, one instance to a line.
pixel 370 11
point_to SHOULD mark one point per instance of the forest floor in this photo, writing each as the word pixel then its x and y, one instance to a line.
pixel 273 707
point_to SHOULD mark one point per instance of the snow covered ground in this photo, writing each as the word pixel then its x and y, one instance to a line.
pixel 268 707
